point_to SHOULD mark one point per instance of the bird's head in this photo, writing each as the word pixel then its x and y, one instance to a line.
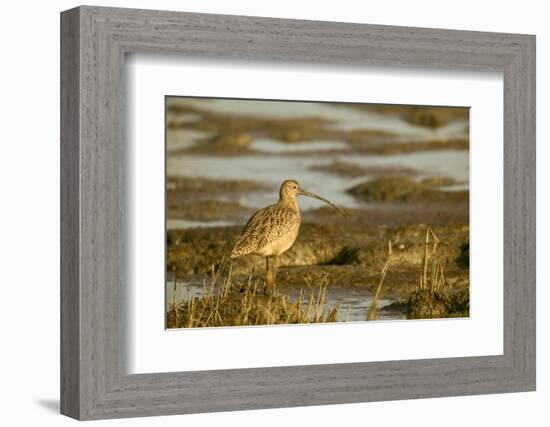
pixel 290 189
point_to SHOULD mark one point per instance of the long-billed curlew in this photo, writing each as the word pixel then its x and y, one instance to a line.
pixel 271 231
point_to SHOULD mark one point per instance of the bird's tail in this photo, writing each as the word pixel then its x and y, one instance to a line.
pixel 237 250
pixel 234 254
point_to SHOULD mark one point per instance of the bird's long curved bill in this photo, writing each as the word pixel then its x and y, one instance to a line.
pixel 315 196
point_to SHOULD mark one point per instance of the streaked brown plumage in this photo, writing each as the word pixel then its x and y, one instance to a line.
pixel 271 231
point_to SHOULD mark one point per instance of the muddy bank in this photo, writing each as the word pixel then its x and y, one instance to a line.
pixel 405 189
pixel 233 134
pixel 205 210
pixel 337 143
pixel 250 303
pixel 203 199
pixel 347 252
pixel 208 200
pixel 431 117
pixel 423 304
pixel 354 171
pixel 200 186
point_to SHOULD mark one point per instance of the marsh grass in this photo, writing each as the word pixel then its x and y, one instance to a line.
pixel 249 303
pixel 245 301
pixel 372 311
pixel 463 258
pixel 430 299
pixel 433 277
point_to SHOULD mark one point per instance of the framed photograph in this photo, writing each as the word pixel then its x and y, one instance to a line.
pixel 394 169
pixel 261 213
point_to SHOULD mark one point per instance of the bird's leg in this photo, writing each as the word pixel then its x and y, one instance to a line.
pixel 269 274
pixel 275 267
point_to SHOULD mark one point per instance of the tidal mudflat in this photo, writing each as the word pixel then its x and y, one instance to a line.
pixel 401 174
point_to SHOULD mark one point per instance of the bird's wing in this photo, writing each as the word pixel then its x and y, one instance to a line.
pixel 264 227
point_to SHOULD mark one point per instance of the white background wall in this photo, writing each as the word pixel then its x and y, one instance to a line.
pixel 29 211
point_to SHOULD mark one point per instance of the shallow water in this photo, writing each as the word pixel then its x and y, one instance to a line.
pixel 275 161
pixel 182 139
pixel 344 117
pixel 355 300
pixel 268 145
pixel 447 163
pixel 272 169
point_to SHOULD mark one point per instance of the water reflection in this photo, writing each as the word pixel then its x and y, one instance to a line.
pixel 354 301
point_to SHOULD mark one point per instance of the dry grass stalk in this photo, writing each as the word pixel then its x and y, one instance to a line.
pixel 433 276
pixel 373 308
pixel 429 300
pixel 236 304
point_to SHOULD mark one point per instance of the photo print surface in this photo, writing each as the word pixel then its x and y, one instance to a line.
pixel 296 212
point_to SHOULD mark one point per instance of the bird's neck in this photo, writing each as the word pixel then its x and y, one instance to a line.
pixel 290 202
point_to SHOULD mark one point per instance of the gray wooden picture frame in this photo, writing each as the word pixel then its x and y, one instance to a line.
pixel 94 381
